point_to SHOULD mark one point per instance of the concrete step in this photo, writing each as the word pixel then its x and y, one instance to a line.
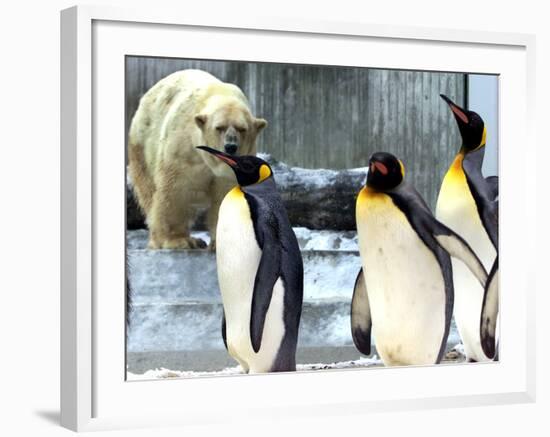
pixel 177 302
pixel 167 276
pixel 197 326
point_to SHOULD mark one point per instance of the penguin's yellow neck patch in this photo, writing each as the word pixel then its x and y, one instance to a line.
pixel 483 137
pixel 371 203
pixel 456 173
pixel 265 172
pixel 235 206
pixel 235 194
pixel 367 194
pixel 402 169
pixel 457 163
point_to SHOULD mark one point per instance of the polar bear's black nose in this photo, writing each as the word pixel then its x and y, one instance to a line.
pixel 230 148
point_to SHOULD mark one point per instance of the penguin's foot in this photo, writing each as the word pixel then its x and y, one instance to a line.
pixel 184 243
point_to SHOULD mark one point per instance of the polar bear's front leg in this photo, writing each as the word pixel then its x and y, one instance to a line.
pixel 219 188
pixel 171 212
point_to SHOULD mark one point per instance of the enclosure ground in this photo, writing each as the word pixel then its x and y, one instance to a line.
pixel 219 361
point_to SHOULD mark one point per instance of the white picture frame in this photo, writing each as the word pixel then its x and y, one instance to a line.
pixel 94 394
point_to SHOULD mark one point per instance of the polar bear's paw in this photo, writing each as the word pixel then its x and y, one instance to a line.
pixel 184 243
pixel 212 246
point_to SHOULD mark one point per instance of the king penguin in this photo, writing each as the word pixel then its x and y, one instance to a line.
pixel 260 270
pixel 468 203
pixel 404 291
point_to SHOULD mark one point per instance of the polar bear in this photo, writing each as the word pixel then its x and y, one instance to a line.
pixel 172 179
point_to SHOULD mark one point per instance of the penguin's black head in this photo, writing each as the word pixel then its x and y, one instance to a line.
pixel 248 169
pixel 385 172
pixel 470 124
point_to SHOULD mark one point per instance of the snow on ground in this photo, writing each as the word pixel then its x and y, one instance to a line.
pixel 163 373
pixel 308 239
pixel 326 239
pixel 203 235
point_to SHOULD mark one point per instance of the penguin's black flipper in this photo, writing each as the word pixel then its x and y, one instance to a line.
pixel 489 313
pixel 458 248
pixel 433 231
pixel 492 182
pixel 361 322
pixel 267 274
pixel 483 192
pixel 224 333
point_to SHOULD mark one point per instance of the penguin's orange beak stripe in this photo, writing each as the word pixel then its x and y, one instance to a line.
pixel 228 160
pixel 459 113
pixel 380 167
pixel 224 157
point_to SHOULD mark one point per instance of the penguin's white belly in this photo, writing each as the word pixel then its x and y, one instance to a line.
pixel 404 283
pixel 456 208
pixel 238 257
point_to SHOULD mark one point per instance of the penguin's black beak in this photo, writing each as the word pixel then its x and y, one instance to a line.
pixel 459 113
pixel 230 160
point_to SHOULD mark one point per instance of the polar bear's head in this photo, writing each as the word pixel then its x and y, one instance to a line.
pixel 228 125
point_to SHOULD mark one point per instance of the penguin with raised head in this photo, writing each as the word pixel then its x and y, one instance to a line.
pixel 404 291
pixel 468 203
pixel 260 270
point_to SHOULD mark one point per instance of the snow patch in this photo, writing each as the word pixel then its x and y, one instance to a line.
pixel 203 235
pixel 308 239
pixel 326 240
pixel 459 348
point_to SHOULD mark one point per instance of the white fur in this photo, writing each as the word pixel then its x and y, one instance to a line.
pixel 238 258
pixel 404 284
pixel 456 208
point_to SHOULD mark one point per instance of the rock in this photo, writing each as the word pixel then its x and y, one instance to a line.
pixel 314 198
pixel 320 198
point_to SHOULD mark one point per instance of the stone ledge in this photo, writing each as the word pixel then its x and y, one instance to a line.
pixel 314 198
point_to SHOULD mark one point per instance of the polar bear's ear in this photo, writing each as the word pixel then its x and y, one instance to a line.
pixel 200 120
pixel 259 124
